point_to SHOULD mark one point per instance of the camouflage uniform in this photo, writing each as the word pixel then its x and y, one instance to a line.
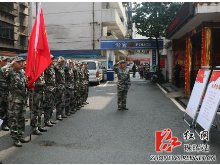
pixel 86 73
pixel 69 92
pixel 123 82
pixel 50 90
pixel 37 102
pixel 75 83
pixel 78 88
pixel 16 98
pixel 60 90
pixel 81 86
pixel 3 98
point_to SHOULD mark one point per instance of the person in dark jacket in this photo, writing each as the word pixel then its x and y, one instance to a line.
pixel 134 70
pixel 177 70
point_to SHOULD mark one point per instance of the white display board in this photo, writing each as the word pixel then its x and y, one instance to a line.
pixel 1 121
pixel 211 102
pixel 197 92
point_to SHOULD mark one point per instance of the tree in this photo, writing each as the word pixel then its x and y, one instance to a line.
pixel 152 18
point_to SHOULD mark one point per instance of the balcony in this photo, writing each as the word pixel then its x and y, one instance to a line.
pixel 111 19
pixel 24 4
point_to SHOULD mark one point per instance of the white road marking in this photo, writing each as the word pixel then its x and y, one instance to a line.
pixel 104 84
pixel 172 99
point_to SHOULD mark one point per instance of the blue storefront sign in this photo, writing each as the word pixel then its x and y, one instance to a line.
pixel 130 44
pixel 154 57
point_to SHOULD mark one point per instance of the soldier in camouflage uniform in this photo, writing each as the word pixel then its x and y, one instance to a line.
pixel 27 90
pixel 16 99
pixel 3 95
pixel 50 90
pixel 69 80
pixel 78 106
pixel 124 84
pixel 37 105
pixel 60 89
pixel 75 74
pixel 81 85
pixel 86 73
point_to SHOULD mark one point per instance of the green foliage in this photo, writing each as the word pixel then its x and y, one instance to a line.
pixel 152 18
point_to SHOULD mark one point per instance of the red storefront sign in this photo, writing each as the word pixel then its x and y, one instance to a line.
pixel 162 62
pixel 137 59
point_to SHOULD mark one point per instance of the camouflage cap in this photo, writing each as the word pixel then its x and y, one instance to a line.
pixel 85 63
pixel 51 56
pixel 4 58
pixel 122 61
pixel 61 58
pixel 17 59
pixel 10 59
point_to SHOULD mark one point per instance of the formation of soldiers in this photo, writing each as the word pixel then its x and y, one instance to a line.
pixel 62 87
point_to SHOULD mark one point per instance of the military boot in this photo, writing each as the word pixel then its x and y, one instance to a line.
pixel 59 117
pixel 53 122
pixel 37 132
pixel 119 108
pixel 87 102
pixel 48 124
pixel 84 103
pixel 42 129
pixel 17 143
pixel 23 140
pixel 64 116
pixel 5 128
pixel 72 112
pixel 68 114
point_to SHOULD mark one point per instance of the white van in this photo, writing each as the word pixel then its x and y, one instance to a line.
pixel 95 71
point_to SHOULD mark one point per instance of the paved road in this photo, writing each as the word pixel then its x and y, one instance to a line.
pixel 99 133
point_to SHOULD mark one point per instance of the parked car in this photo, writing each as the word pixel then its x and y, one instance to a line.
pixel 129 66
pixel 95 71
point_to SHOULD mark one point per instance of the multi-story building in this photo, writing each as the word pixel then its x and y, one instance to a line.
pixel 195 34
pixel 75 29
pixel 13 28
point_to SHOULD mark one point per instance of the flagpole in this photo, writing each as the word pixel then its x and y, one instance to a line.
pixel 32 104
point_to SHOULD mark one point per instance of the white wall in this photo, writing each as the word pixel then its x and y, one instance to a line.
pixel 69 25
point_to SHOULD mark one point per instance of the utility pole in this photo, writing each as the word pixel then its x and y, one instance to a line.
pixel 93 21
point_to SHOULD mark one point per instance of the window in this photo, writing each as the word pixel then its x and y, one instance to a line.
pixel 91 66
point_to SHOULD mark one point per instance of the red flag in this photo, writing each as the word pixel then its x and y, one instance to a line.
pixel 38 57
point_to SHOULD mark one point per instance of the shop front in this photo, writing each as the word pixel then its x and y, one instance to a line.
pixel 195 40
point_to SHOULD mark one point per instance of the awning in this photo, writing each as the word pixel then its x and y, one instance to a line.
pixel 71 53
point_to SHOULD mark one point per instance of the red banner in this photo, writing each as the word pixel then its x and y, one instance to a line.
pixel 137 59
pixel 203 57
pixel 187 63
pixel 162 62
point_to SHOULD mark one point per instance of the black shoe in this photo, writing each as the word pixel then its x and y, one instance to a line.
pixel 37 132
pixel 72 112
pixel 119 109
pixel 84 103
pixel 42 129
pixel 48 124
pixel 87 102
pixel 59 118
pixel 53 122
pixel 126 109
pixel 5 128
pixel 17 143
pixel 68 114
pixel 23 140
pixel 64 116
